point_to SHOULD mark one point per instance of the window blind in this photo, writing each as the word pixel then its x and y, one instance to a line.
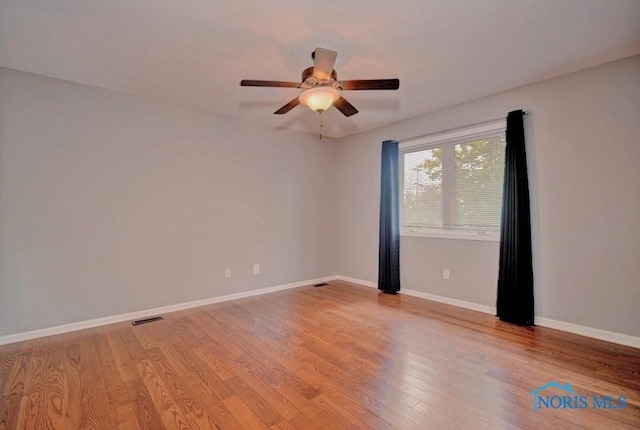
pixel 454 183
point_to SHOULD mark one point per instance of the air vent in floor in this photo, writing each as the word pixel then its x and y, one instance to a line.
pixel 321 284
pixel 146 320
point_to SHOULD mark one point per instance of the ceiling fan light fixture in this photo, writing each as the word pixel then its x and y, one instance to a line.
pixel 319 99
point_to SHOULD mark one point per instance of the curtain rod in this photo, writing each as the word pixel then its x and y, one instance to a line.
pixel 524 112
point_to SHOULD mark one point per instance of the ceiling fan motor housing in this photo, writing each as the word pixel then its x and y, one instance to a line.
pixel 309 81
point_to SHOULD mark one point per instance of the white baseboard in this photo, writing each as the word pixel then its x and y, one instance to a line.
pixel 609 336
pixel 81 325
pixel 356 281
pixel 454 302
pixel 427 296
pixel 595 333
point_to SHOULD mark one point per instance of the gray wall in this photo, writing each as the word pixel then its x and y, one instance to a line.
pixel 583 150
pixel 110 204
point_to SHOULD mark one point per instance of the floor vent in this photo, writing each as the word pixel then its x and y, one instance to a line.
pixel 321 284
pixel 146 320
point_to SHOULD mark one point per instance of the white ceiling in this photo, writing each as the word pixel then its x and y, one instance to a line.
pixel 195 52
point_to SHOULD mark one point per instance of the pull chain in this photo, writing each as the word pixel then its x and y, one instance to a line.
pixel 321 125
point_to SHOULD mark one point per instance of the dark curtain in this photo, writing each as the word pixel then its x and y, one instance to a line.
pixel 515 277
pixel 389 250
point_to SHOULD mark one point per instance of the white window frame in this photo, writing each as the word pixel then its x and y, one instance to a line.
pixel 438 140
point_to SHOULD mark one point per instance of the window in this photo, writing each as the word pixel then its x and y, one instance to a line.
pixel 451 184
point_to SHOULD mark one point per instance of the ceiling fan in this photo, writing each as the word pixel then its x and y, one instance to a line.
pixel 321 86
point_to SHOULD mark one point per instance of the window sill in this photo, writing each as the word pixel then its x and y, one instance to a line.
pixel 458 235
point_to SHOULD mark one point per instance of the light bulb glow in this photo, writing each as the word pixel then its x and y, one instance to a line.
pixel 319 99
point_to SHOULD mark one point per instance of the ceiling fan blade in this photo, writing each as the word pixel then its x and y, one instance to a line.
pixel 279 84
pixel 370 84
pixel 323 61
pixel 286 108
pixel 345 107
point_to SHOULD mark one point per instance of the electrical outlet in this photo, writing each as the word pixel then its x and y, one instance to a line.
pixel 227 273
pixel 256 269
pixel 445 274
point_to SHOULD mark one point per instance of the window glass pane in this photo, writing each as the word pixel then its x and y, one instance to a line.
pixel 422 194
pixel 478 184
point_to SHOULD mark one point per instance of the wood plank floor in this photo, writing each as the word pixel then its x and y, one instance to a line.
pixel 335 357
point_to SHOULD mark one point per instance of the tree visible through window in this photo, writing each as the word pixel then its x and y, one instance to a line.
pixel 453 184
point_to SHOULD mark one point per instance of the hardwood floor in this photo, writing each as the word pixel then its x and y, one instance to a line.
pixel 334 357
